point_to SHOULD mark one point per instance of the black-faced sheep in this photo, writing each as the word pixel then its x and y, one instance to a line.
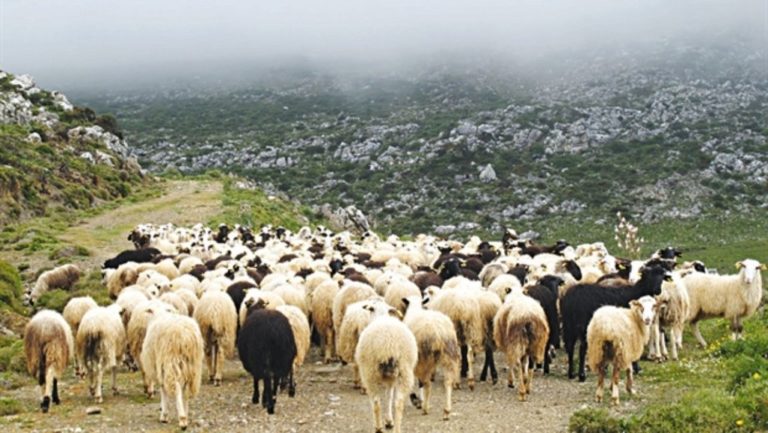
pixel 579 303
pixel 387 355
pixel 438 347
pixel 734 297
pixel 63 277
pixel 267 350
pixel 100 344
pixel 616 336
pixel 172 356
pixel 217 318
pixel 48 345
pixel 520 330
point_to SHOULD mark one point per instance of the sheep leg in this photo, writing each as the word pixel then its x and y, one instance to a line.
pixel 663 344
pixel 425 398
pixel 114 380
pixel 47 390
pixel 582 354
pixel 163 405
pixel 55 395
pixel 181 407
pixel 448 385
pixel 266 397
pixel 416 400
pixel 529 373
pixel 673 343
pixel 470 368
pixel 216 361
pixel 91 382
pixel 697 334
pixel 99 380
pixel 399 405
pixel 600 383
pixel 547 359
pixel 255 398
pixel 630 382
pixel 569 347
pixel 329 347
pixel 209 364
pixel 517 366
pixel 491 363
pixel 376 407
pixel 737 328
pixel 615 385
pixel 291 384
pixel 388 422
pixel 464 361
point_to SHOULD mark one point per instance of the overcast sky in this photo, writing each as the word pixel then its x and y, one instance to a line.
pixel 57 40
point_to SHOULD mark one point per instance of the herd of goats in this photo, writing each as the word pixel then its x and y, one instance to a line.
pixel 397 310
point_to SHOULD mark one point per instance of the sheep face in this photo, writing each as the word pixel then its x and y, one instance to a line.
pixel 749 269
pixel 647 306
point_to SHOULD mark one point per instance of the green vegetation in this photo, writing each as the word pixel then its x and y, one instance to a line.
pixel 12 355
pixel 721 389
pixel 254 208
pixel 89 285
pixel 9 406
pixel 11 289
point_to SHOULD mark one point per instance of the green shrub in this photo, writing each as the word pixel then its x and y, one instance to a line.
pixel 9 406
pixel 12 355
pixel 593 420
pixel 11 289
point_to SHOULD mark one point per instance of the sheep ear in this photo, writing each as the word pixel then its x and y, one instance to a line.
pixel 395 313
pixel 634 303
pixel 406 302
pixel 763 267
pixel 739 265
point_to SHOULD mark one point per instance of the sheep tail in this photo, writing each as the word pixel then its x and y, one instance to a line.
pixel 609 351
pixel 388 368
pixel 92 346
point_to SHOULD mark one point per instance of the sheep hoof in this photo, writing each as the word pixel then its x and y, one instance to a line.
pixel 115 391
pixel 415 401
pixel 522 397
pixel 582 377
pixel 389 425
pixel 378 430
pixel 510 385
pixel 183 423
pixel 615 402
pixel 45 404
pixel 495 380
pixel 471 384
pixel 446 414
pixel 163 418
pixel 216 382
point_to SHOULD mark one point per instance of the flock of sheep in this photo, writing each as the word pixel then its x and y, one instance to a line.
pixel 397 310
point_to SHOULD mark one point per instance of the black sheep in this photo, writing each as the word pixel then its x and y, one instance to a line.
pixel 236 291
pixel 267 349
pixel 144 255
pixel 546 292
pixel 579 303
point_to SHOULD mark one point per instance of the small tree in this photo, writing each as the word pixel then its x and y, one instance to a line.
pixel 625 234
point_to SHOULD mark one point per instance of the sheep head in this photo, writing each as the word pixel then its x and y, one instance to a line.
pixel 749 269
pixel 646 307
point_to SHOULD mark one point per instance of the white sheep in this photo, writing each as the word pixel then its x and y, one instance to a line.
pixel 301 332
pixel 217 318
pixel 616 336
pixel 521 331
pixel 399 289
pixel 48 345
pixel 63 277
pixel 100 343
pixel 350 293
pixel 172 356
pixel 387 355
pixel 137 329
pixel 673 311
pixel 124 276
pixel 172 298
pixel 461 305
pixel 73 313
pixel 734 297
pixel 438 346
pixel 321 307
pixel 356 317
pixel 267 299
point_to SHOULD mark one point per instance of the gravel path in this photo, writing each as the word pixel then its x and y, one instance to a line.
pixel 325 402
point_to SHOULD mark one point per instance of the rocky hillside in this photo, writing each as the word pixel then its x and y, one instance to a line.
pixel 668 131
pixel 54 154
